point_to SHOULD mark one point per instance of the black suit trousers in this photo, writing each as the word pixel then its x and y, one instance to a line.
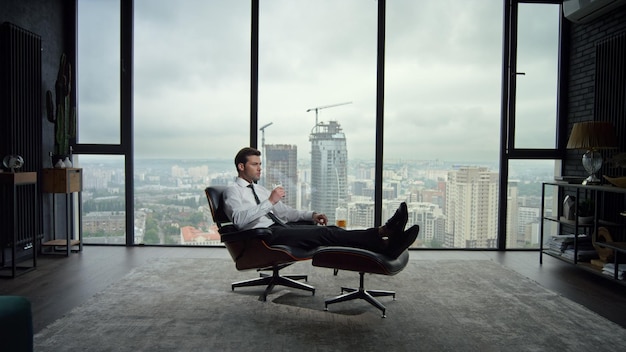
pixel 313 236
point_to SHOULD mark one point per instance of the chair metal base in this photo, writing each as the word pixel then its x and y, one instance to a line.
pixel 362 293
pixel 273 280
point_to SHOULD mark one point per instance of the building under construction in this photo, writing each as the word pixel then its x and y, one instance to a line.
pixel 329 168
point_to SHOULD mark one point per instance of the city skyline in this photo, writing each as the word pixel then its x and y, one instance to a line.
pixel 173 185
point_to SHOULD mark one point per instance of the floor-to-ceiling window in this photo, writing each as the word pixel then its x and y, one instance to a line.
pixel 533 121
pixel 192 105
pixel 191 111
pixel 98 111
pixel 442 118
pixel 317 98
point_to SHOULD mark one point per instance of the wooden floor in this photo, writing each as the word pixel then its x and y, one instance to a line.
pixel 61 283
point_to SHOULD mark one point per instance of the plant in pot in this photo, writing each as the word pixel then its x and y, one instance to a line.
pixel 585 211
pixel 60 112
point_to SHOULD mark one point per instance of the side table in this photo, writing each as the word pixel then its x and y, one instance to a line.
pixel 64 181
pixel 20 237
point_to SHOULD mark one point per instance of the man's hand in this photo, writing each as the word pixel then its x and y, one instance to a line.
pixel 277 194
pixel 320 219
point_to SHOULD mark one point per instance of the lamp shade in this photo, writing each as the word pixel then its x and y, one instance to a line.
pixel 592 135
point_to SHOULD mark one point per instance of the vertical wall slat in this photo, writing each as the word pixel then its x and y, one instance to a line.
pixel 609 105
pixel 610 90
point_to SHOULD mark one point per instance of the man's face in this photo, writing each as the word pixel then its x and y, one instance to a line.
pixel 251 171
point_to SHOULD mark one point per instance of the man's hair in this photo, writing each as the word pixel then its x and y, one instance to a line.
pixel 244 153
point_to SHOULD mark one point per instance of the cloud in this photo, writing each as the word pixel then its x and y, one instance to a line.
pixel 192 76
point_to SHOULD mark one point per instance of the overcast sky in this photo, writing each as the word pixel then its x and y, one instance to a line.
pixel 192 74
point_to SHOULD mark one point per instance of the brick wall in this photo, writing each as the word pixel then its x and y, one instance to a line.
pixel 581 58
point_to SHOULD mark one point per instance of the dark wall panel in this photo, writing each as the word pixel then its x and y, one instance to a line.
pixel 53 22
pixel 586 100
pixel 48 19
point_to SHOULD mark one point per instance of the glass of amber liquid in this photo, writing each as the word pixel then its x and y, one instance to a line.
pixel 341 223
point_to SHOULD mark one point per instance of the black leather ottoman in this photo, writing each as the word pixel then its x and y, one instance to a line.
pixel 361 261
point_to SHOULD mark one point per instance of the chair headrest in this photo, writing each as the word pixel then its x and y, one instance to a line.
pixel 216 204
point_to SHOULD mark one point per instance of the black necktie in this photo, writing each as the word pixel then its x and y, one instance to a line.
pixel 271 215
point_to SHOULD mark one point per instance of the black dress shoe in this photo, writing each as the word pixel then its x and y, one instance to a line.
pixel 396 223
pixel 397 244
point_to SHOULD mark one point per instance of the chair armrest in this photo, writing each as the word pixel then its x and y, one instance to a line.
pixel 235 236
pixel 301 222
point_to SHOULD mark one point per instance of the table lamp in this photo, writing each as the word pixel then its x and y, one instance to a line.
pixel 592 136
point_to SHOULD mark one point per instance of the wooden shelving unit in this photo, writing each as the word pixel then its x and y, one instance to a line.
pixel 597 193
pixel 65 181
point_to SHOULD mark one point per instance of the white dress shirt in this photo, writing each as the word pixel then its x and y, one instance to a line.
pixel 240 206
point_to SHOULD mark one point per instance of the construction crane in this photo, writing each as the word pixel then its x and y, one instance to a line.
pixel 263 134
pixel 262 129
pixel 324 107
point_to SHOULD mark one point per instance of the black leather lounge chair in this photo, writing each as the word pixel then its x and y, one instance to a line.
pixel 361 261
pixel 250 251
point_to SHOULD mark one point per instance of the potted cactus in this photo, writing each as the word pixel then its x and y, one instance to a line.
pixel 60 112
pixel 585 211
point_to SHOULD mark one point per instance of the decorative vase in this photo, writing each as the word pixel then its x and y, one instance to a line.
pixel 60 164
pixel 67 162
pixel 585 220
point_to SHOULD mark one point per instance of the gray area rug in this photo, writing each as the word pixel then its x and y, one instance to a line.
pixel 461 305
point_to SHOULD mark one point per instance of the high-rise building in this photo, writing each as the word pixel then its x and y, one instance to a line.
pixel 514 237
pixel 471 208
pixel 329 168
pixel 360 214
pixel 281 168
pixel 431 221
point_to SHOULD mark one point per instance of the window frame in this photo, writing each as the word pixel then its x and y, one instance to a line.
pixel 507 151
